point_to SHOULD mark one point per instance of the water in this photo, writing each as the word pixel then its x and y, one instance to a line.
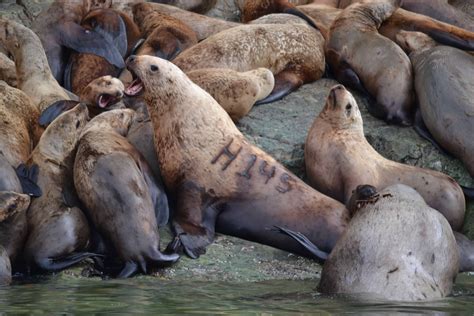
pixel 141 295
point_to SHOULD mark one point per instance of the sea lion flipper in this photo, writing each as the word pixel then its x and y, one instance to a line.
pixel 318 254
pixel 286 82
pixel 74 36
pixel 128 270
pixel 28 178
pixel 423 131
pixel 52 264
pixel 118 37
pixel 54 110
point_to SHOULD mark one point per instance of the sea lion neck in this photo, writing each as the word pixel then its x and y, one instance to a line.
pixel 371 15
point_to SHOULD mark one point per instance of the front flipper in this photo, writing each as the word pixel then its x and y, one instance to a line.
pixel 286 82
pixel 51 264
pixel 128 270
pixel 76 37
pixel 318 254
pixel 54 110
pixel 423 131
pixel 195 219
pixel 114 34
pixel 28 178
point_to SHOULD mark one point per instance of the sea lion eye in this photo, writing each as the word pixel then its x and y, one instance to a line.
pixel 78 123
pixel 154 68
pixel 348 107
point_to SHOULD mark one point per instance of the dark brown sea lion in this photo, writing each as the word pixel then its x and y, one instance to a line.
pixel 165 36
pixel 363 59
pixel 336 145
pixel 235 91
pixel 118 188
pixel 58 230
pixel 293 52
pixel 445 88
pixel 215 174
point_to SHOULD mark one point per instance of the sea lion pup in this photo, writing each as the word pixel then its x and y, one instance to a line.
pixel 123 200
pixel 198 6
pixel 58 230
pixel 8 70
pixel 202 25
pixel 396 247
pixel 235 91
pixel 166 36
pixel 336 145
pixel 102 94
pixel 293 53
pixel 33 72
pixel 212 171
pixel 362 58
pixel 445 90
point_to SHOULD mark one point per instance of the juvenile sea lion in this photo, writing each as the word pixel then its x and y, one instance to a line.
pixel 293 52
pixel 336 145
pixel 445 90
pixel 396 248
pixel 214 173
pixel 118 188
pixel 235 91
pixel 58 230
pixel 362 58
pixel 166 36
pixel 33 72
pixel 100 95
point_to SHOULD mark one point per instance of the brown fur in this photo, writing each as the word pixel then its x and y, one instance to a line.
pixel 191 134
pixel 8 71
pixel 235 91
pixel 338 158
pixel 5 268
pixel 198 6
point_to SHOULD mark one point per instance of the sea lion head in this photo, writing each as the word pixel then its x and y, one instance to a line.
pixel 59 140
pixel 341 110
pixel 414 41
pixel 361 195
pixel 118 120
pixel 103 92
pixel 12 203
pixel 90 5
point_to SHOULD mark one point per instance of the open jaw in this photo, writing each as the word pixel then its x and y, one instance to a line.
pixel 135 87
pixel 105 100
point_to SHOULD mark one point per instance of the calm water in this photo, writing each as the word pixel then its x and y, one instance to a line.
pixel 142 295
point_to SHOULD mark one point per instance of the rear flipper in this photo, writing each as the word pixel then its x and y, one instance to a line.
pixel 50 264
pixel 468 192
pixel 54 110
pixel 318 254
pixel 466 252
pixel 194 221
pixel 28 178
pixel 286 82
pixel 423 131
pixel 158 259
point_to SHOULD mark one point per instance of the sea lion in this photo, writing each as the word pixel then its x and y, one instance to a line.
pixel 395 248
pixel 100 95
pixel 362 58
pixel 122 198
pixel 445 90
pixel 166 36
pixel 235 91
pixel 198 6
pixel 214 174
pixel 336 145
pixel 33 72
pixel 293 52
pixel 5 268
pixel 8 70
pixel 58 230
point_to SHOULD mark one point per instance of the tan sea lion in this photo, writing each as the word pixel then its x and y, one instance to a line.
pixel 215 174
pixel 445 88
pixel 118 188
pixel 58 230
pixel 235 91
pixel 336 145
pixel 8 71
pixel 293 52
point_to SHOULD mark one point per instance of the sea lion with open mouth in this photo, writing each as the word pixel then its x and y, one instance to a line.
pixel 220 181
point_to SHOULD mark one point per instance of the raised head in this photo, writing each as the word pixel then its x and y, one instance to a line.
pixel 118 121
pixel 341 110
pixel 103 92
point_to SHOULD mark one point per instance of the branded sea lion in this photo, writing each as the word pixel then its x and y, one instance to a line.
pixel 33 72
pixel 118 188
pixel 293 53
pixel 235 91
pixel 102 94
pixel 217 178
pixel 58 230
pixel 445 90
pixel 166 36
pixel 336 145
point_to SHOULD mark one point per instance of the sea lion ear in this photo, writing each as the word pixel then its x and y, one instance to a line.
pixel 54 110
pixel 75 37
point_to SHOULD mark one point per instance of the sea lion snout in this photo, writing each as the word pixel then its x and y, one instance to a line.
pixel 131 60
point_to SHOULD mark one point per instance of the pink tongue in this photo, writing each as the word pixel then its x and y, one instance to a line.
pixel 135 87
pixel 103 101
